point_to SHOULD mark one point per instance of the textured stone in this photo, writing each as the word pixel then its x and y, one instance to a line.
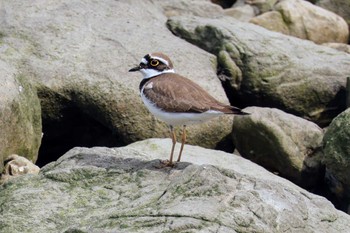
pixel 272 20
pixel 304 20
pixel 241 13
pixel 282 143
pixel 340 7
pixel 277 71
pixel 78 53
pixel 20 115
pixel 121 190
pixel 311 22
pixel 339 46
pixel 337 158
pixel 16 165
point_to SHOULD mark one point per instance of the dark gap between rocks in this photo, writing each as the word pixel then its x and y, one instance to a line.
pixel 224 3
pixel 66 126
pixel 232 95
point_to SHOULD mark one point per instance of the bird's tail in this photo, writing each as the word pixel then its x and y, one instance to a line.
pixel 235 111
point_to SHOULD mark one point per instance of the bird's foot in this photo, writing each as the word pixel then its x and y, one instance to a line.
pixel 166 163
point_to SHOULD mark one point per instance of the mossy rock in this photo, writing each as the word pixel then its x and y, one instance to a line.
pixel 337 149
pixel 20 116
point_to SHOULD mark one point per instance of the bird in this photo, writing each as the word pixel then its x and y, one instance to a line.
pixel 176 100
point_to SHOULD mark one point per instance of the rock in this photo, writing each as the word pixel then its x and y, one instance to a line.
pixel 79 53
pixel 121 190
pixel 262 5
pixel 282 143
pixel 272 20
pixel 203 8
pixel 20 116
pixel 340 7
pixel 337 158
pixel 339 46
pixel 274 70
pixel 306 21
pixel 241 13
pixel 16 165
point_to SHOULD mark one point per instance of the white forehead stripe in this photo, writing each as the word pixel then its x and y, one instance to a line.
pixel 144 61
pixel 161 59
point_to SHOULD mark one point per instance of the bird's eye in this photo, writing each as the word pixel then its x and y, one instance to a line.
pixel 154 62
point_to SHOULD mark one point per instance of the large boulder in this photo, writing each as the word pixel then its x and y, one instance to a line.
pixel 78 54
pixel 337 158
pixel 270 69
pixel 20 115
pixel 124 190
pixel 340 7
pixel 282 143
pixel 304 20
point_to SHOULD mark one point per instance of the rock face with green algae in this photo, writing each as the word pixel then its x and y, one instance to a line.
pixel 278 71
pixel 20 115
pixel 122 190
pixel 337 157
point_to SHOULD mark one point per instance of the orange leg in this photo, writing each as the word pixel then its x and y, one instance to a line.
pixel 183 140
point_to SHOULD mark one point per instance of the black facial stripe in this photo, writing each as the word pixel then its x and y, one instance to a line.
pixel 147 57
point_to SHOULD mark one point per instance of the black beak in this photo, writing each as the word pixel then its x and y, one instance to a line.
pixel 137 68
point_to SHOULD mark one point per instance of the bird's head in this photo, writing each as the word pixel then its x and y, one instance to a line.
pixel 154 64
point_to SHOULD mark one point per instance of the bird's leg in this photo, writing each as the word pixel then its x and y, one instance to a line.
pixel 183 140
pixel 173 138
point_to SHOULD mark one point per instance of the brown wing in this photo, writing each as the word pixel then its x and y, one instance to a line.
pixel 175 93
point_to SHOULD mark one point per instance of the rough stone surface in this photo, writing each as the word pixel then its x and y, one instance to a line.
pixel 274 70
pixel 78 54
pixel 308 21
pixel 340 7
pixel 204 8
pixel 272 20
pixel 337 158
pixel 339 46
pixel 241 13
pixel 120 190
pixel 16 165
pixel 20 115
pixel 282 143
pixel 304 20
pixel 262 5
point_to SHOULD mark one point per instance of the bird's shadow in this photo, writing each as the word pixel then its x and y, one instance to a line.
pixel 111 162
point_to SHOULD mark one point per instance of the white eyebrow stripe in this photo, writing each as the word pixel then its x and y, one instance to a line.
pixel 161 59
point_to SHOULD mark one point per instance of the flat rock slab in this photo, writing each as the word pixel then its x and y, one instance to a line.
pixel 121 190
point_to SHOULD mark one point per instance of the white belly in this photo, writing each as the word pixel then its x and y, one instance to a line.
pixel 174 119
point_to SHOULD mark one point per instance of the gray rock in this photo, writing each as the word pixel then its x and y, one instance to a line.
pixel 241 13
pixel 120 190
pixel 20 115
pixel 337 158
pixel 79 53
pixel 16 165
pixel 262 5
pixel 339 46
pixel 203 8
pixel 275 70
pixel 282 143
